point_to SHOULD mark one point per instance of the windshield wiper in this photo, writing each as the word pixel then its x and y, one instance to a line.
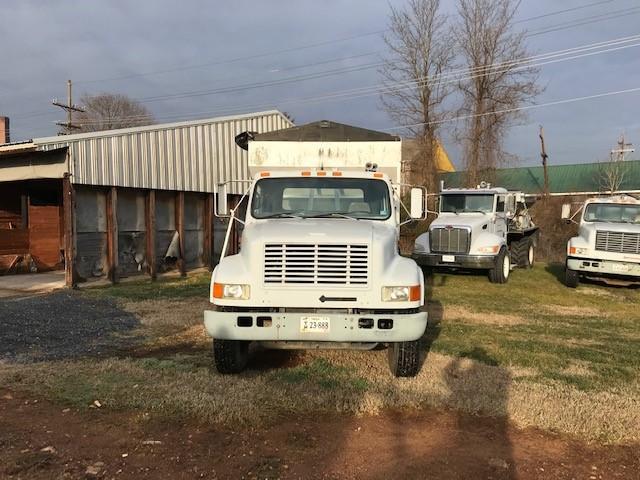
pixel 331 215
pixel 281 215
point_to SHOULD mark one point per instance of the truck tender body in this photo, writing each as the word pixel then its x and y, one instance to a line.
pixel 608 241
pixel 475 229
pixel 319 266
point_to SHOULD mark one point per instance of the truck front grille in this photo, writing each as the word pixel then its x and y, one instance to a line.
pixel 618 242
pixel 449 240
pixel 316 264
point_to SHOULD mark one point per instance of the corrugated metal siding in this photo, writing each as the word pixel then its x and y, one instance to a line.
pixel 585 177
pixel 190 156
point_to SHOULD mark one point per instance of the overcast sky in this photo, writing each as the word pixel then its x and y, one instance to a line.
pixel 150 50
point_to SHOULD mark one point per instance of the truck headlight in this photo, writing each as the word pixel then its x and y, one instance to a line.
pixel 491 249
pixel 578 250
pixel 231 291
pixel 401 294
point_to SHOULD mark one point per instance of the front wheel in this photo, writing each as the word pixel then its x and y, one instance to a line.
pixel 404 358
pixel 571 278
pixel 230 356
pixel 502 268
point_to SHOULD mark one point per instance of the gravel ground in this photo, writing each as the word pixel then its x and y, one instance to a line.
pixel 62 325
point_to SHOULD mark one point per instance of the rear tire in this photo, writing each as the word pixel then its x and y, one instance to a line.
pixel 502 268
pixel 230 356
pixel 404 358
pixel 571 278
pixel 523 253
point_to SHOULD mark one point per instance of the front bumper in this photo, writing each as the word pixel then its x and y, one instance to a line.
pixel 403 327
pixel 604 267
pixel 454 260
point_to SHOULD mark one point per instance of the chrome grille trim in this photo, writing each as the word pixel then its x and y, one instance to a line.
pixel 316 264
pixel 449 240
pixel 618 242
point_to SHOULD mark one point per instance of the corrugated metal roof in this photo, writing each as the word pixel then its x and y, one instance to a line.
pixel 327 131
pixel 189 156
pixel 582 177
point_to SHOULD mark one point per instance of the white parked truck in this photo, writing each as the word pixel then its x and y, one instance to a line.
pixel 608 241
pixel 479 228
pixel 319 264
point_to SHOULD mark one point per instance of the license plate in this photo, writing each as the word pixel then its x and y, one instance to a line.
pixel 620 267
pixel 315 324
pixel 448 258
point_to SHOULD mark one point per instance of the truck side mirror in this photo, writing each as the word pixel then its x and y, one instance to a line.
pixel 566 211
pixel 222 206
pixel 417 204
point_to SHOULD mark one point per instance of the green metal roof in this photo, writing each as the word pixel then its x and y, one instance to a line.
pixel 582 177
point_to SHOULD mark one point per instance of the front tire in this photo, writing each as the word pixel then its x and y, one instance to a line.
pixel 502 268
pixel 230 356
pixel 404 358
pixel 571 278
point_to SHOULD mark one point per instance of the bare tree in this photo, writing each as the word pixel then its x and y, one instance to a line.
pixel 497 81
pixel 611 175
pixel 420 51
pixel 108 111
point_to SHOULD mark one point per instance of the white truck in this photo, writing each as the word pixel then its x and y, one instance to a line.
pixel 319 264
pixel 481 228
pixel 608 241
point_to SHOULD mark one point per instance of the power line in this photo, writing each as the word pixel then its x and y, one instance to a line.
pixel 236 60
pixel 517 109
pixel 306 47
pixel 467 74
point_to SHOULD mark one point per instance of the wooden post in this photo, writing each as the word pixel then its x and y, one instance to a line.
pixel 150 218
pixel 112 235
pixel 68 206
pixel 543 154
pixel 208 232
pixel 180 228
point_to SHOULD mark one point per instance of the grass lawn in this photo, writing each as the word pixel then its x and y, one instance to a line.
pixel 535 351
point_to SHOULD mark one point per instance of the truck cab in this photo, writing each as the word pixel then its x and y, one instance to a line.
pixel 319 264
pixel 481 228
pixel 608 240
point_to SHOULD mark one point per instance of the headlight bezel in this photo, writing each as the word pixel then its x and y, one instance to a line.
pixel 231 291
pixel 401 293
pixel 578 250
pixel 489 249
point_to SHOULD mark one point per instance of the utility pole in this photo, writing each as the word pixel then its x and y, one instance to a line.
pixel 543 154
pixel 622 150
pixel 68 126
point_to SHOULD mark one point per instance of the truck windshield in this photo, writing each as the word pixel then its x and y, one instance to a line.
pixel 319 197
pixel 461 203
pixel 611 212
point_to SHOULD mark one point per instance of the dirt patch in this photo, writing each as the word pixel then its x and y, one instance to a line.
pixel 466 316
pixel 172 313
pixel 580 369
pixel 44 441
pixel 599 292
pixel 574 311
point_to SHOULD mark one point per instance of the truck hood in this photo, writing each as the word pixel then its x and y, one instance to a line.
pixel 613 227
pixel 473 220
pixel 317 230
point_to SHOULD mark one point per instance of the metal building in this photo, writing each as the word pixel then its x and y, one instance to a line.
pixel 120 202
